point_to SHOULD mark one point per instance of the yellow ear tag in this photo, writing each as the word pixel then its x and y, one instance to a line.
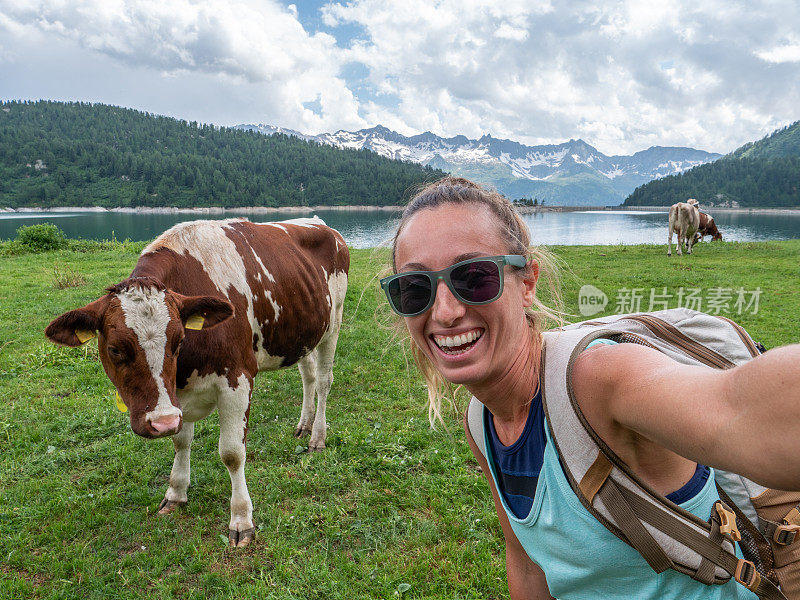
pixel 195 322
pixel 120 404
pixel 84 335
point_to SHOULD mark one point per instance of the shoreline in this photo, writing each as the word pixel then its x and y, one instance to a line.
pixel 527 210
pixel 218 210
pixel 207 210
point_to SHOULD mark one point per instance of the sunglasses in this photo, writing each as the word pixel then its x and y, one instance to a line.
pixel 474 281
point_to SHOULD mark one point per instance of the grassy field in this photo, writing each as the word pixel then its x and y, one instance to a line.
pixel 391 508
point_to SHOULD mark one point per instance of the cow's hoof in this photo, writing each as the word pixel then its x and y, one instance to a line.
pixel 316 446
pixel 168 506
pixel 240 539
pixel 302 432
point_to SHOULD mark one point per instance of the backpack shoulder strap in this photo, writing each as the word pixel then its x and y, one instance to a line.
pixel 571 433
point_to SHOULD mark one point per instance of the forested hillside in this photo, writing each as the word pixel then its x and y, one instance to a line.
pixel 765 173
pixel 782 143
pixel 81 154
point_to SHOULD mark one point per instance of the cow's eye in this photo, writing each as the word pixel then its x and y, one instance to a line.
pixel 116 354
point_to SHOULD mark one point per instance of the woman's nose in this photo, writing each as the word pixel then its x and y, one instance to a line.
pixel 447 309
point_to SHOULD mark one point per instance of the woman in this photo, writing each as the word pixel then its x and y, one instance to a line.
pixel 466 284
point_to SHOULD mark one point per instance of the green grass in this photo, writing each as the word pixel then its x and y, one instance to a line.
pixel 389 502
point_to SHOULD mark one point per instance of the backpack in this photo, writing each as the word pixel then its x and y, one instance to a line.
pixel 763 521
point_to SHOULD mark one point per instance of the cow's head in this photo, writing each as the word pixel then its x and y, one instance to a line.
pixel 140 325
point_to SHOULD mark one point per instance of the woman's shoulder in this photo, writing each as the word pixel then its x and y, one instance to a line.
pixel 600 364
pixel 603 376
pixel 607 362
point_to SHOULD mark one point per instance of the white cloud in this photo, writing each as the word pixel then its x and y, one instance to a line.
pixel 255 43
pixel 786 53
pixel 510 32
pixel 622 75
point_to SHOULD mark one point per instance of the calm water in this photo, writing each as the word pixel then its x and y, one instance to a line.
pixel 366 229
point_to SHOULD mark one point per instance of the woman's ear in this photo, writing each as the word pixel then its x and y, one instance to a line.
pixel 530 276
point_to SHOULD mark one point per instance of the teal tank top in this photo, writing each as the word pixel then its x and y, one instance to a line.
pixel 582 560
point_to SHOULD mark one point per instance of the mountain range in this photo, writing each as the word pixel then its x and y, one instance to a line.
pixel 572 173
pixel 764 173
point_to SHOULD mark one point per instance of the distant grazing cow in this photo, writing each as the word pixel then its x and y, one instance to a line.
pixel 684 220
pixel 708 227
pixel 208 305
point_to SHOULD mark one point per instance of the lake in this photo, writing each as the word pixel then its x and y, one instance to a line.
pixel 366 228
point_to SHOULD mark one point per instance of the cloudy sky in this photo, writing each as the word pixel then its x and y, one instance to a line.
pixel 621 75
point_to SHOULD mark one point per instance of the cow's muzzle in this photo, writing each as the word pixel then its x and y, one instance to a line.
pixel 166 425
pixel 156 426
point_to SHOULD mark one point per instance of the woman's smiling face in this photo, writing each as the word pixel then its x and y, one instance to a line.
pixel 467 344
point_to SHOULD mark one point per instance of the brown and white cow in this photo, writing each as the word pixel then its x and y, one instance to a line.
pixel 208 305
pixel 684 219
pixel 708 227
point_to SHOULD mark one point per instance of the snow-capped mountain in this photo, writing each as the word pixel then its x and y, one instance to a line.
pixel 272 130
pixel 569 173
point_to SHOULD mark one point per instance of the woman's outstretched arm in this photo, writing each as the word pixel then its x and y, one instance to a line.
pixel 745 419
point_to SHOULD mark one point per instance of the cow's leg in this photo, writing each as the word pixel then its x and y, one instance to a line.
pixel 308 373
pixel 179 477
pixel 234 407
pixel 689 243
pixel 325 351
pixel 324 382
pixel 669 241
pixel 681 238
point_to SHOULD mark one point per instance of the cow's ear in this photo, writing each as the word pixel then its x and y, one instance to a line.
pixel 78 326
pixel 203 312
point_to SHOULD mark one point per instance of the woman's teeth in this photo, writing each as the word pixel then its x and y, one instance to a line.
pixel 457 344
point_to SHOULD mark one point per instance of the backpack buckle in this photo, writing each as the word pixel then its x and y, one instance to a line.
pixel 785 534
pixel 727 522
pixel 747 575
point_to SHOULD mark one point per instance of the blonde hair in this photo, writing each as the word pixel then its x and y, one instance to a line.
pixel 514 231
